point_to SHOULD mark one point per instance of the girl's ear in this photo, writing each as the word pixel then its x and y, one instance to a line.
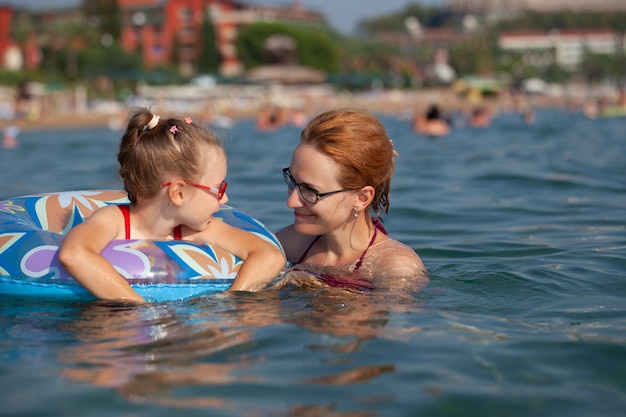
pixel 176 192
pixel 364 197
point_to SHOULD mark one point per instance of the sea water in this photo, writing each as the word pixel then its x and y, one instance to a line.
pixel 522 227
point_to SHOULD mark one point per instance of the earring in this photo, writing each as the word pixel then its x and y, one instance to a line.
pixel 356 214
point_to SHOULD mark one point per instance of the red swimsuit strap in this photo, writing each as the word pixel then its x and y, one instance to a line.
pixel 360 260
pixel 125 209
pixel 308 249
pixel 379 225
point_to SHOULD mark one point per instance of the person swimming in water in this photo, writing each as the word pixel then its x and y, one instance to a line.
pixel 338 184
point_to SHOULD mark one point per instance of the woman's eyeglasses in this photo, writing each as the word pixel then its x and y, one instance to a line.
pixel 307 193
pixel 217 191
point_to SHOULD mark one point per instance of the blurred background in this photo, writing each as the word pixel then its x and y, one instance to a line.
pixel 71 62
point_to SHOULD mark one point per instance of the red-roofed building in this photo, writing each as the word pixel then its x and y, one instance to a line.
pixel 6 42
pixel 168 31
pixel 160 27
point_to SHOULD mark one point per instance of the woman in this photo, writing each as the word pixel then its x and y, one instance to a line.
pixel 339 182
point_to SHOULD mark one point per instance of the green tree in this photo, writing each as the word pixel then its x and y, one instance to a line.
pixel 315 47
pixel 476 56
pixel 209 57
pixel 175 51
pixel 106 14
pixel 564 20
pixel 64 37
pixel 427 16
pixel 599 67
pixel 112 62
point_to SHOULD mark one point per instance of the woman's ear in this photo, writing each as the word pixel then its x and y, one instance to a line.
pixel 364 197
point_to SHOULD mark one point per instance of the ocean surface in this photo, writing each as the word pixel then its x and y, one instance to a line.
pixel 523 230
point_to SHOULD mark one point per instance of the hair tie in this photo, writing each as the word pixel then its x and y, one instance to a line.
pixel 152 123
pixel 393 148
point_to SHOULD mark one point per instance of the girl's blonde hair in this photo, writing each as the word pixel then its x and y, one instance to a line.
pixel 154 150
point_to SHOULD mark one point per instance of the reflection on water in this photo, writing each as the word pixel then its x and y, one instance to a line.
pixel 143 351
pixel 183 354
pixel 521 227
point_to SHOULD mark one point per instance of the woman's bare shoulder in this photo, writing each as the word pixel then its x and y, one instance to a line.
pixel 394 259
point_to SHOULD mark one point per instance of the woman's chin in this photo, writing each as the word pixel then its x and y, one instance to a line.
pixel 306 228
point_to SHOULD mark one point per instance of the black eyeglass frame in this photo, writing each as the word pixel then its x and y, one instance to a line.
pixel 291 184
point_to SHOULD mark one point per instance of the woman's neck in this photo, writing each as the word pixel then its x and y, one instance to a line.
pixel 345 245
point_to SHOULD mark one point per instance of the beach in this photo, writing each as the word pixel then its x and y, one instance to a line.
pixel 63 110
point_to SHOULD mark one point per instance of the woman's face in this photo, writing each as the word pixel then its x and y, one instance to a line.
pixel 319 172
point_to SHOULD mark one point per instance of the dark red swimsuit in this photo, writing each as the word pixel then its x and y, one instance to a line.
pixel 355 282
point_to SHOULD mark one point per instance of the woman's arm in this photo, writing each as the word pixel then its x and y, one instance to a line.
pixel 80 255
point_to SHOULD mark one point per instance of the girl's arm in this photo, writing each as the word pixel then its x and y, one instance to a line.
pixel 262 260
pixel 80 255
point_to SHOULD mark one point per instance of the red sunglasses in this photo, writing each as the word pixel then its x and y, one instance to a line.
pixel 218 191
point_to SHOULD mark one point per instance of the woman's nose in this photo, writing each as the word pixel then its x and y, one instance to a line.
pixel 293 198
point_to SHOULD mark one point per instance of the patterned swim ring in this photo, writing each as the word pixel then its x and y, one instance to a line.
pixel 32 228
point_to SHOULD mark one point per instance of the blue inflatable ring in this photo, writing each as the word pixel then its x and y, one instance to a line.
pixel 32 229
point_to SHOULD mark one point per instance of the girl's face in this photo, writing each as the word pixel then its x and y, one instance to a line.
pixel 317 171
pixel 202 203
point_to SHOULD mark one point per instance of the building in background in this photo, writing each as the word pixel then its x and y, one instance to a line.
pixel 541 6
pixel 163 31
pixel 566 48
pixel 170 31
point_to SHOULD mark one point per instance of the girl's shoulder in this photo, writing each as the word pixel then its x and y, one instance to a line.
pixel 109 218
pixel 103 225
pixel 111 211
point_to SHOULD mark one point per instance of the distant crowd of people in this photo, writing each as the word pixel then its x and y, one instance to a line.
pixel 435 123
pixel 22 109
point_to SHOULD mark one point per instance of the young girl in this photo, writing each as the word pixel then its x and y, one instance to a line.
pixel 174 173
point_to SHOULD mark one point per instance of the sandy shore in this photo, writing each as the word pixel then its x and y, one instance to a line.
pixel 62 122
pixel 400 102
